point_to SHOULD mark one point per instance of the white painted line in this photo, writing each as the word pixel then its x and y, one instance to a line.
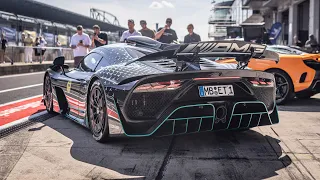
pixel 24 74
pixel 18 88
pixel 20 100
pixel 20 121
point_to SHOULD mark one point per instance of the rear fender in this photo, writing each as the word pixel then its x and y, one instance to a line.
pixel 259 65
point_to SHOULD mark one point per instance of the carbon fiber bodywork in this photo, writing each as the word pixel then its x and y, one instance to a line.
pixel 135 111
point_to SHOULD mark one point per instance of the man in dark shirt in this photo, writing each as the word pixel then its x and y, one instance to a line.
pixel 99 38
pixel 146 31
pixel 4 43
pixel 191 37
pixel 166 34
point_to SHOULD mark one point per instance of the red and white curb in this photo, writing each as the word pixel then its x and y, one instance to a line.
pixel 21 121
pixel 13 112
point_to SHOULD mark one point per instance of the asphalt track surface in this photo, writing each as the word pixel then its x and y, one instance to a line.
pixel 53 147
pixel 20 81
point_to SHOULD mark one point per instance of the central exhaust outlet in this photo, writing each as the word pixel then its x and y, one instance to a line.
pixel 221 113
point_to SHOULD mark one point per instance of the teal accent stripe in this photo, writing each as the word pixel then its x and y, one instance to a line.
pixel 248 102
pixel 239 122
pixel 174 124
pixel 276 110
pixel 190 118
pixel 201 118
pixel 260 119
pixel 249 113
pixel 187 126
pixel 200 125
pixel 249 121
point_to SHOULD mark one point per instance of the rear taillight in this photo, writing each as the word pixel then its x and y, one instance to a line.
pixel 312 64
pixel 159 86
pixel 261 82
pixel 213 78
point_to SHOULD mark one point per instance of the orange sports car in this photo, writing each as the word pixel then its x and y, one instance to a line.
pixel 296 74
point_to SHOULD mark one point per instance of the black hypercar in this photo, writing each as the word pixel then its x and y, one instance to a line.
pixel 146 88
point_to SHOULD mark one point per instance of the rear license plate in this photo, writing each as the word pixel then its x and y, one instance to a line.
pixel 216 91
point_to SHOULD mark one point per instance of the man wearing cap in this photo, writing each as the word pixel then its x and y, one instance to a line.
pixel 146 31
pixel 166 34
pixel 28 42
pixel 98 38
pixel 130 32
pixel 80 43
pixel 191 37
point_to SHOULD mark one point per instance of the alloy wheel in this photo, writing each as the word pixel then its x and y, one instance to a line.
pixel 97 111
pixel 48 97
pixel 282 87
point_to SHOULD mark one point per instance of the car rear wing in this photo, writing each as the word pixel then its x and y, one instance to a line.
pixel 192 52
pixel 240 50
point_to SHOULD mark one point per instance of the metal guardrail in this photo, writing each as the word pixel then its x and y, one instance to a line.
pixel 14 54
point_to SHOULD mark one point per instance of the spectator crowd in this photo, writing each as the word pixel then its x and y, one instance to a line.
pixel 32 47
pixel 36 47
pixel 81 42
pixel 164 34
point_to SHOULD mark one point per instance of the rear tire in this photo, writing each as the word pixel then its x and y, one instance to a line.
pixel 284 86
pixel 97 113
pixel 48 95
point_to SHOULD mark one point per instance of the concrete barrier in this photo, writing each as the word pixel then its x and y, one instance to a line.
pixel 16 54
pixel 18 68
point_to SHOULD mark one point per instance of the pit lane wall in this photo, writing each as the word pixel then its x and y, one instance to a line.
pixel 15 57
pixel 17 54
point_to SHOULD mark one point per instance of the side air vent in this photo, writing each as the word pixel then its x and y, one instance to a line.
pixel 303 77
pixel 206 63
pixel 312 64
pixel 167 64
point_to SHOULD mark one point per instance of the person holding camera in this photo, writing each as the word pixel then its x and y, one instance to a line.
pixel 166 34
pixel 80 43
pixel 98 38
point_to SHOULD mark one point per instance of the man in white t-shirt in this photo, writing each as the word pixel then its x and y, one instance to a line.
pixel 80 43
pixel 130 32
